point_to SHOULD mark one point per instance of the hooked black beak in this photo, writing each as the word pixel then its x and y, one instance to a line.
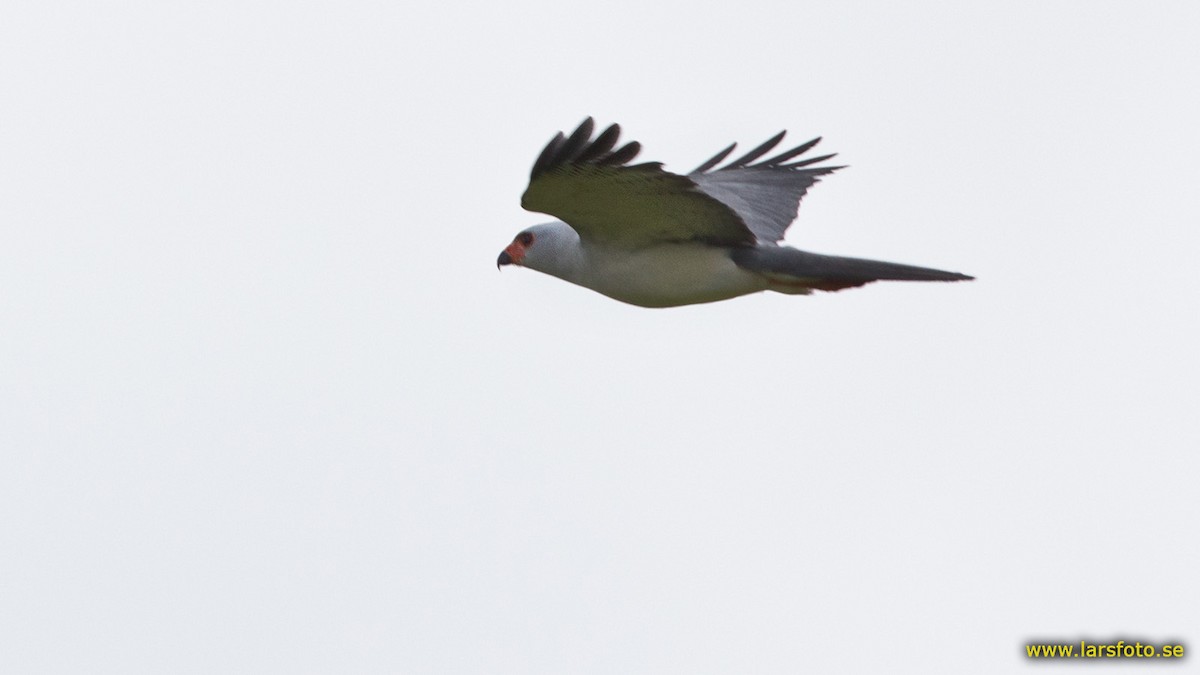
pixel 504 259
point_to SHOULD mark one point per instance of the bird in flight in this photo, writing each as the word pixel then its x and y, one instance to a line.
pixel 649 237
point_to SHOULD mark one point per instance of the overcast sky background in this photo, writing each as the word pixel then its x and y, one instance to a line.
pixel 266 405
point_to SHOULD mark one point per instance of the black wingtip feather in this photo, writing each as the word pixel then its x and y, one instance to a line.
pixel 621 156
pixel 809 162
pixel 577 142
pixel 579 148
pixel 757 152
pixel 798 150
pixel 603 143
pixel 546 158
pixel 715 159
pixel 777 162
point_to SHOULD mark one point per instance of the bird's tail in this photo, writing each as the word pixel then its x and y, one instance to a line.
pixel 791 270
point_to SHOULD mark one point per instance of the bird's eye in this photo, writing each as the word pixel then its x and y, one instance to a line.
pixel 526 238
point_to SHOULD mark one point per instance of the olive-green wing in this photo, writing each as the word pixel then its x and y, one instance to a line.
pixel 593 188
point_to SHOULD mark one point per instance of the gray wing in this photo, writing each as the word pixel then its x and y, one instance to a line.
pixel 595 190
pixel 765 195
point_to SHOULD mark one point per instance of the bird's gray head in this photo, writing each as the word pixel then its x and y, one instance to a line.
pixel 550 248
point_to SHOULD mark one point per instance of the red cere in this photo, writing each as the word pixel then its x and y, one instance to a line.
pixel 516 251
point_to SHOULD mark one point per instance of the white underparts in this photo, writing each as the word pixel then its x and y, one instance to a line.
pixel 666 275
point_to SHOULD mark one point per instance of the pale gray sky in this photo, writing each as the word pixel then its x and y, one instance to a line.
pixel 268 406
